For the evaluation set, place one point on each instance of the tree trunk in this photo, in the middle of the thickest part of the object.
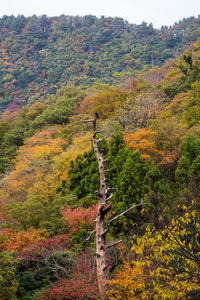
(100, 223)
(102, 210)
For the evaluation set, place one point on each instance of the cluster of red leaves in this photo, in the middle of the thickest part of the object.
(74, 288)
(44, 248)
(83, 283)
(75, 217)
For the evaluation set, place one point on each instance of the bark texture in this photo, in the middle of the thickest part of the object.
(100, 221)
(103, 208)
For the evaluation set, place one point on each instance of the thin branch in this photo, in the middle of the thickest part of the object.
(188, 254)
(108, 198)
(105, 160)
(98, 131)
(124, 212)
(113, 188)
(114, 244)
(91, 120)
(91, 197)
(99, 140)
(108, 170)
(91, 233)
(105, 231)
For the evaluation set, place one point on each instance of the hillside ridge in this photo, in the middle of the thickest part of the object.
(40, 54)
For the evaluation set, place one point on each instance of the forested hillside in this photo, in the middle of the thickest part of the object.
(149, 138)
(39, 54)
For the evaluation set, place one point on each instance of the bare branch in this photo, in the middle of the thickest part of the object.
(99, 140)
(91, 197)
(110, 169)
(86, 121)
(98, 131)
(114, 244)
(111, 195)
(89, 237)
(105, 231)
(105, 160)
(124, 212)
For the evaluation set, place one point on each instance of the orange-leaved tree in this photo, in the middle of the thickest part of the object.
(18, 241)
(143, 140)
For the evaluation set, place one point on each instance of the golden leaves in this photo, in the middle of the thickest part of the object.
(143, 140)
(164, 263)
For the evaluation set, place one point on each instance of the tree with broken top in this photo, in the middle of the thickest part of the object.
(104, 194)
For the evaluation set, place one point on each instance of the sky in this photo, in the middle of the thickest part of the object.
(158, 12)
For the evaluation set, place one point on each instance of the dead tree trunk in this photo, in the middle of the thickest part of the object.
(100, 221)
(102, 210)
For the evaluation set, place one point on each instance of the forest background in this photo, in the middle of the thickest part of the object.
(145, 85)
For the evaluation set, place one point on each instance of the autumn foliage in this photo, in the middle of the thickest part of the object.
(164, 264)
(143, 140)
(82, 284)
(74, 218)
(18, 241)
(49, 180)
(105, 102)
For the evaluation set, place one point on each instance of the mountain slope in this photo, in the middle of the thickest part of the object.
(39, 54)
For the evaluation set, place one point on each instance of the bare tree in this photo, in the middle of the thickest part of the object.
(104, 195)
(140, 109)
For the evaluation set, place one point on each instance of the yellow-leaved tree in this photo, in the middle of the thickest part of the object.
(165, 264)
(105, 102)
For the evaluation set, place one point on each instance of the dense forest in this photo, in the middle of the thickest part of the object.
(144, 85)
(40, 54)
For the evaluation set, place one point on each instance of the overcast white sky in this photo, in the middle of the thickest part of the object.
(159, 12)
